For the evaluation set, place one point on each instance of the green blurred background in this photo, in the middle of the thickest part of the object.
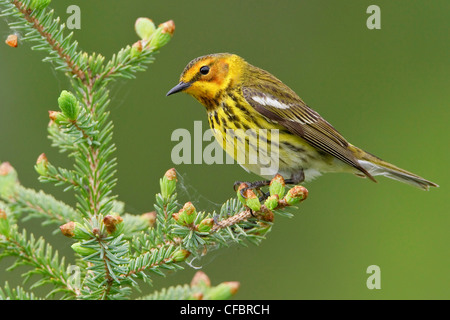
(386, 91)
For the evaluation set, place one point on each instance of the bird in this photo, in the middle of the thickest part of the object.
(242, 100)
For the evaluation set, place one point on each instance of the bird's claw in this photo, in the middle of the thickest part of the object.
(256, 185)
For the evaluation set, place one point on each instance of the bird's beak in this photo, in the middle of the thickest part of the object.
(179, 87)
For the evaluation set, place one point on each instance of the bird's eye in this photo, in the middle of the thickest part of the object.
(204, 70)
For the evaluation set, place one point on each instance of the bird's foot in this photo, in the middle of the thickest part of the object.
(295, 179)
(256, 185)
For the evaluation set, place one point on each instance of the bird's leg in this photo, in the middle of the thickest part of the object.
(251, 185)
(255, 185)
(295, 179)
(264, 196)
(237, 184)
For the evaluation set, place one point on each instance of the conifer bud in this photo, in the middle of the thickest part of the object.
(200, 279)
(252, 201)
(163, 34)
(168, 27)
(111, 223)
(4, 223)
(180, 255)
(41, 166)
(205, 225)
(68, 229)
(84, 251)
(144, 28)
(224, 291)
(150, 218)
(96, 232)
(272, 202)
(11, 40)
(168, 183)
(136, 49)
(57, 117)
(295, 195)
(267, 215)
(69, 105)
(277, 186)
(196, 296)
(187, 214)
(8, 180)
(238, 193)
(6, 168)
(75, 230)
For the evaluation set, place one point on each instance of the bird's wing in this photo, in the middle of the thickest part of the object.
(292, 113)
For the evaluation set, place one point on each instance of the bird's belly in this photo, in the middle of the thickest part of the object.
(271, 151)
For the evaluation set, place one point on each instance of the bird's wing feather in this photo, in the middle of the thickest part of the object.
(291, 112)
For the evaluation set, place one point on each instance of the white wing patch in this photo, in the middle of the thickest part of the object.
(305, 118)
(268, 101)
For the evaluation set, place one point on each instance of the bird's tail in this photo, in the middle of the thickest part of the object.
(376, 167)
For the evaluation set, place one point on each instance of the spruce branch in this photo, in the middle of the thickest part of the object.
(18, 293)
(132, 59)
(28, 203)
(59, 176)
(199, 289)
(114, 250)
(34, 253)
(264, 213)
(41, 27)
(60, 139)
(236, 222)
(41, 205)
(155, 260)
(106, 258)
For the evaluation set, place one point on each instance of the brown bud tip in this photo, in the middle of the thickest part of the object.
(111, 222)
(268, 215)
(205, 225)
(67, 229)
(138, 45)
(234, 286)
(3, 214)
(299, 191)
(197, 296)
(180, 255)
(188, 208)
(279, 179)
(171, 174)
(168, 27)
(5, 168)
(249, 194)
(176, 216)
(243, 185)
(42, 159)
(150, 217)
(52, 115)
(56, 117)
(11, 40)
(200, 279)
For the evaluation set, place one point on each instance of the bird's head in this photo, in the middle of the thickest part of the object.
(208, 76)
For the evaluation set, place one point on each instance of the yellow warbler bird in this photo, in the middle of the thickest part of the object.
(244, 102)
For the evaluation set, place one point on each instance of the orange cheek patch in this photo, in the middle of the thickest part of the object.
(219, 73)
